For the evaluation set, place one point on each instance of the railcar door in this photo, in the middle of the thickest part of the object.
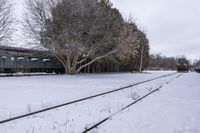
(19, 64)
(2, 63)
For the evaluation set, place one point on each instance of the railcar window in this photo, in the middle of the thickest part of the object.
(34, 59)
(3, 57)
(20, 58)
(46, 60)
(12, 58)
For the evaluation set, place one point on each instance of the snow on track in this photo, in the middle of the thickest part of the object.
(30, 113)
(76, 118)
(20, 94)
(176, 109)
(135, 101)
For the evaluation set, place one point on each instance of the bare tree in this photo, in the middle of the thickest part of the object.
(38, 11)
(134, 42)
(143, 42)
(158, 61)
(129, 40)
(77, 32)
(6, 20)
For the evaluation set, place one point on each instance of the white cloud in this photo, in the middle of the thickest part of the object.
(172, 25)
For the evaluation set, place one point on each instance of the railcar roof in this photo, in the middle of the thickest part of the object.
(18, 49)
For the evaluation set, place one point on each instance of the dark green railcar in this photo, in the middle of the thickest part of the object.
(183, 65)
(197, 67)
(13, 60)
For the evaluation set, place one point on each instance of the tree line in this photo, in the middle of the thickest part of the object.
(84, 35)
(160, 62)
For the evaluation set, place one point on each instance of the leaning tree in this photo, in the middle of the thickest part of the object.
(6, 20)
(76, 32)
(81, 32)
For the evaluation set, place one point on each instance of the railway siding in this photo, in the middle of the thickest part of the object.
(98, 96)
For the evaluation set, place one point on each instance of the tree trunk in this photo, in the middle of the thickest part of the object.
(141, 59)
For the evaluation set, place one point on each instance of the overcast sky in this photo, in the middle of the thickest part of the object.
(172, 26)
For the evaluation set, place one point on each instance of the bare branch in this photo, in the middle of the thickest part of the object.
(95, 59)
(6, 20)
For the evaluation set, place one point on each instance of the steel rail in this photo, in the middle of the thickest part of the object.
(129, 105)
(82, 99)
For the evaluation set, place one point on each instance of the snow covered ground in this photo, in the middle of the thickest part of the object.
(19, 93)
(175, 109)
(165, 111)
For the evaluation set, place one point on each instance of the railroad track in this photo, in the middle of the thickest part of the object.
(82, 99)
(127, 106)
